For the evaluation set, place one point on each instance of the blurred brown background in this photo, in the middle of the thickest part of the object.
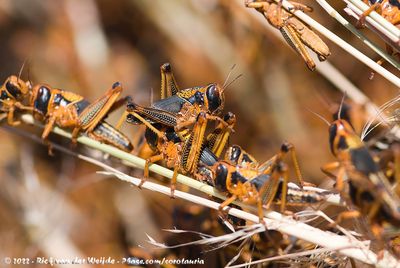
(57, 206)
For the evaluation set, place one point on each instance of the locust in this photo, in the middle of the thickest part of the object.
(296, 33)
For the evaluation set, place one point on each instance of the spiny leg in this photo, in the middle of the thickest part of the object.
(194, 144)
(260, 210)
(90, 117)
(147, 124)
(340, 179)
(121, 120)
(283, 172)
(48, 127)
(289, 147)
(271, 186)
(152, 115)
(226, 203)
(218, 139)
(147, 164)
(10, 118)
(329, 167)
(74, 136)
(115, 106)
(183, 124)
(169, 86)
(270, 165)
(289, 32)
(269, 189)
(174, 181)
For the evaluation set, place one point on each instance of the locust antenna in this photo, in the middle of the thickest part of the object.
(230, 83)
(319, 116)
(21, 69)
(229, 74)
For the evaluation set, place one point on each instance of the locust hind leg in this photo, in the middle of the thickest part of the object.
(121, 120)
(260, 211)
(277, 182)
(90, 117)
(193, 145)
(286, 148)
(219, 138)
(132, 115)
(118, 104)
(169, 87)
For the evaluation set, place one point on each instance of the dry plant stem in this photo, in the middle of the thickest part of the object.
(332, 74)
(281, 257)
(274, 220)
(393, 41)
(375, 17)
(138, 162)
(332, 12)
(342, 244)
(340, 42)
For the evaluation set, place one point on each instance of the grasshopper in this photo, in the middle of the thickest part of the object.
(368, 188)
(296, 33)
(181, 148)
(388, 9)
(180, 108)
(69, 110)
(181, 152)
(13, 95)
(64, 109)
(241, 177)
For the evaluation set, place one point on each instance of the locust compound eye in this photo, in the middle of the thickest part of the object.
(42, 100)
(13, 89)
(213, 97)
(235, 154)
(221, 175)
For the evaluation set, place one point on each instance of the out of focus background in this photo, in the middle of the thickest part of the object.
(57, 206)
